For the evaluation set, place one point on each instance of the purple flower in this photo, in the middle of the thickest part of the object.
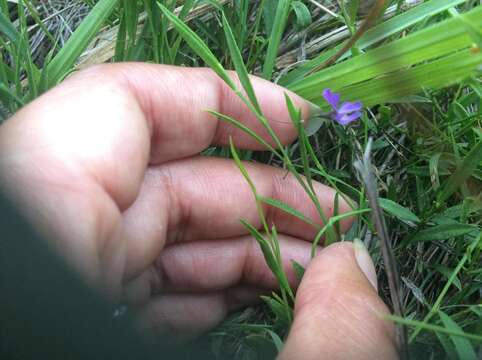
(344, 114)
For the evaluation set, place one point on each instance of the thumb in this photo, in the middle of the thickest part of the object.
(338, 314)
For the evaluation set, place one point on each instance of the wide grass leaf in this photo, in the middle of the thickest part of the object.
(435, 57)
(376, 34)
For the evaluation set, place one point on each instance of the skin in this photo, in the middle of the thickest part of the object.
(107, 166)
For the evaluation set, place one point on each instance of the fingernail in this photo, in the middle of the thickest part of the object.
(314, 122)
(365, 262)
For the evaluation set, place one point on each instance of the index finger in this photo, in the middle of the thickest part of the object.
(175, 102)
(105, 125)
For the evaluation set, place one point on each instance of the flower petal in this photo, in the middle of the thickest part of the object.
(345, 119)
(331, 98)
(349, 107)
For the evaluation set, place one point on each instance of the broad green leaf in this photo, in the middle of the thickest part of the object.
(383, 31)
(443, 232)
(360, 78)
(398, 211)
(433, 75)
(462, 345)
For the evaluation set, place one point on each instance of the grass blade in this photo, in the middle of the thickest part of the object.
(463, 172)
(289, 210)
(63, 62)
(462, 345)
(443, 232)
(398, 211)
(198, 45)
(239, 64)
(7, 29)
(282, 12)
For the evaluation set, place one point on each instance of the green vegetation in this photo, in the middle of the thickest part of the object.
(418, 73)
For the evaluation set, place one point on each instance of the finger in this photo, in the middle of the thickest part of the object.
(204, 198)
(83, 147)
(219, 264)
(191, 315)
(179, 122)
(206, 266)
(338, 314)
(105, 121)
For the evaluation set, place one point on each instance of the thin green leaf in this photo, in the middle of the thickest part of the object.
(443, 232)
(445, 271)
(398, 211)
(436, 306)
(245, 129)
(281, 16)
(239, 64)
(289, 210)
(276, 340)
(303, 15)
(7, 94)
(463, 172)
(440, 329)
(462, 345)
(7, 29)
(198, 45)
(298, 269)
(63, 62)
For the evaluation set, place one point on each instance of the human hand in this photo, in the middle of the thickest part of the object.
(107, 166)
